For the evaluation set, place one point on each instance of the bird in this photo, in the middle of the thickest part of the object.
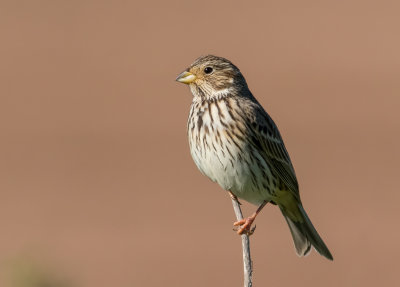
(234, 142)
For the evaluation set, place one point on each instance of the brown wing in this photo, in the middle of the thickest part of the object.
(267, 138)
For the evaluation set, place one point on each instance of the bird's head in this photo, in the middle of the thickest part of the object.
(212, 77)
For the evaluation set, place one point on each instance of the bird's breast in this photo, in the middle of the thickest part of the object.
(218, 142)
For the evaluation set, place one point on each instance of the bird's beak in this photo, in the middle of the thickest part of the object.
(186, 77)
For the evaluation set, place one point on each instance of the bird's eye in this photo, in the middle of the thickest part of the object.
(208, 70)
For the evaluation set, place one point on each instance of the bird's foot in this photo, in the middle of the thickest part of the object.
(245, 226)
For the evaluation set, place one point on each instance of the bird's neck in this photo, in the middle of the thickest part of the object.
(208, 94)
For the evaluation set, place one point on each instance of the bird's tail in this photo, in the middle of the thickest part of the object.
(304, 233)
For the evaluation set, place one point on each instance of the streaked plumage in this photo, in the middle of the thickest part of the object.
(235, 143)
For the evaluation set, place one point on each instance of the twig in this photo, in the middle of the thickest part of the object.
(247, 264)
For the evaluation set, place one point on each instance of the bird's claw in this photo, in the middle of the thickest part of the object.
(245, 226)
(246, 231)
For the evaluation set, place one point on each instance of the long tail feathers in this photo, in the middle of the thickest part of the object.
(305, 235)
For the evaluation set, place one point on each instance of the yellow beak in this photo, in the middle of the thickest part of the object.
(186, 78)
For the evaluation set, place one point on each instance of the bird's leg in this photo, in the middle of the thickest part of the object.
(234, 197)
(245, 223)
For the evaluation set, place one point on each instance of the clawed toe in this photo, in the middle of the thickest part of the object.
(241, 222)
(245, 226)
(246, 231)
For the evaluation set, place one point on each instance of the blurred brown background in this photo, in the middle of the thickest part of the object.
(97, 186)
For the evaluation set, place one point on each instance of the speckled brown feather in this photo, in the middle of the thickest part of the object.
(235, 143)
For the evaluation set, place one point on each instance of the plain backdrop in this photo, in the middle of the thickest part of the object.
(97, 186)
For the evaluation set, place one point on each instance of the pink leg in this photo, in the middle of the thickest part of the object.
(245, 224)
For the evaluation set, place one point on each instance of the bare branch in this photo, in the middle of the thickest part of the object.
(247, 263)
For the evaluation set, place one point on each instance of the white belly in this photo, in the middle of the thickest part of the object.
(241, 170)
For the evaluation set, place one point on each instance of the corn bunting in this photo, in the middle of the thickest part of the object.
(235, 143)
